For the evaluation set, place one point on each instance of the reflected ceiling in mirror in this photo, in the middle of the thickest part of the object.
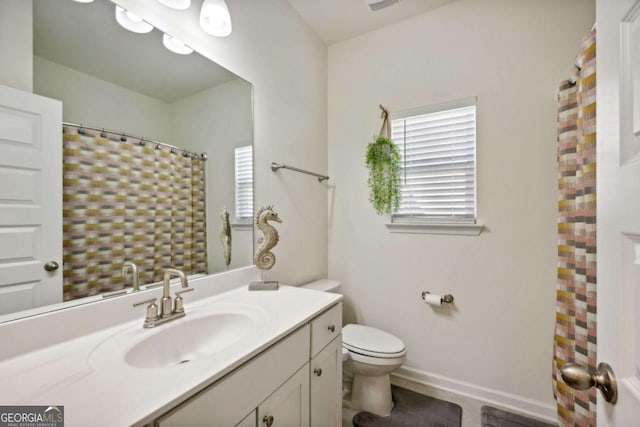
(87, 38)
(130, 84)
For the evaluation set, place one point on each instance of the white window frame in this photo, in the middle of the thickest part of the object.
(425, 224)
(242, 220)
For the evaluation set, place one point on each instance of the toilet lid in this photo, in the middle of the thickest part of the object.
(371, 341)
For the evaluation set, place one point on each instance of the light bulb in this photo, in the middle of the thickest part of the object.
(131, 21)
(175, 45)
(176, 4)
(215, 18)
(133, 17)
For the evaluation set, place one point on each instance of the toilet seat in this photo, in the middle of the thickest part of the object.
(377, 361)
(372, 343)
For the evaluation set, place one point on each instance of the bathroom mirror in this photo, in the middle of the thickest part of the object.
(133, 87)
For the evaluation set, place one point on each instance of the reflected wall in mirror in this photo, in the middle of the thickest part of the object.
(121, 201)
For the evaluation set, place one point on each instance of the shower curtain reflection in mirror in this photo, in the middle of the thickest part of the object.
(128, 201)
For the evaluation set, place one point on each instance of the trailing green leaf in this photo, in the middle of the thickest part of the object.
(383, 162)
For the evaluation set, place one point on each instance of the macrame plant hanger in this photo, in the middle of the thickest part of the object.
(385, 129)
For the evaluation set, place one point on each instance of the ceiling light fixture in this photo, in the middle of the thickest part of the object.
(215, 18)
(176, 4)
(175, 45)
(131, 21)
(380, 4)
(83, 1)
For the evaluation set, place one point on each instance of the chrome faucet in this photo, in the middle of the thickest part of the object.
(166, 312)
(165, 307)
(134, 273)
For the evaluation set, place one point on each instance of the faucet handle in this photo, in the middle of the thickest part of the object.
(178, 302)
(152, 312)
(150, 301)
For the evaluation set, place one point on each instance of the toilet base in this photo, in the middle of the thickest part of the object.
(372, 394)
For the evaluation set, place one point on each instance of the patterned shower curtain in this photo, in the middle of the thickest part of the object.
(575, 332)
(128, 201)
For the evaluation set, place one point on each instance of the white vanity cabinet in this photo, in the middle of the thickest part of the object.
(295, 382)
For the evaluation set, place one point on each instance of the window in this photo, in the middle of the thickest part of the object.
(244, 183)
(438, 164)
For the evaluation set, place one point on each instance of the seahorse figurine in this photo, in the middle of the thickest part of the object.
(264, 259)
(225, 236)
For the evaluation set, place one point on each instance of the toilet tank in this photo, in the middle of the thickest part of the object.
(324, 285)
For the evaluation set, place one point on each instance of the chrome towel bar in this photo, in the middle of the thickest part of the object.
(275, 166)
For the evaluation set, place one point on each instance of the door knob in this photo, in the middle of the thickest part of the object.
(51, 266)
(581, 378)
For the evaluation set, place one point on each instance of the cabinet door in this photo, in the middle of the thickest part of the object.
(326, 386)
(288, 406)
(248, 421)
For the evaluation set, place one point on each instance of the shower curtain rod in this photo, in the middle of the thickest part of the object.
(142, 140)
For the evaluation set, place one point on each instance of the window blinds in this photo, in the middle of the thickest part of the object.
(244, 182)
(438, 173)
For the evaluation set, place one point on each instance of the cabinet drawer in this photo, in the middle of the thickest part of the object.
(325, 328)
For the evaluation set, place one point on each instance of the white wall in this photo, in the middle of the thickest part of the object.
(16, 44)
(216, 121)
(272, 48)
(91, 101)
(511, 55)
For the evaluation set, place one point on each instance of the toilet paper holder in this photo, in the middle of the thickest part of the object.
(447, 298)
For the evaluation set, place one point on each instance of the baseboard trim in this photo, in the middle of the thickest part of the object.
(508, 401)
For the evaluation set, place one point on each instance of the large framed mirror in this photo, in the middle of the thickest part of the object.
(157, 155)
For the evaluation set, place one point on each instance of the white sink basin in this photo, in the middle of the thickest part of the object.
(189, 340)
(199, 334)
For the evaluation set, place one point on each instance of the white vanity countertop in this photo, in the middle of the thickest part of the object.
(102, 391)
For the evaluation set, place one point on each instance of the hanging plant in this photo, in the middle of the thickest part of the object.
(383, 162)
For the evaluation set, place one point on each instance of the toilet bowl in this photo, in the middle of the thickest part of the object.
(371, 355)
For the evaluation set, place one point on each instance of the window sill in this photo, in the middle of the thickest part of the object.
(452, 229)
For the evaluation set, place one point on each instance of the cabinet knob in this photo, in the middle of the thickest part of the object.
(268, 420)
(331, 328)
(317, 371)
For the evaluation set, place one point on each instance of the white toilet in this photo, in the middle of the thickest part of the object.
(371, 355)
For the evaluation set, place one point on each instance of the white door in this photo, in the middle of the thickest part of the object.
(618, 204)
(30, 200)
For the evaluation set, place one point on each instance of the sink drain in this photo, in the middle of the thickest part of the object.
(182, 362)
